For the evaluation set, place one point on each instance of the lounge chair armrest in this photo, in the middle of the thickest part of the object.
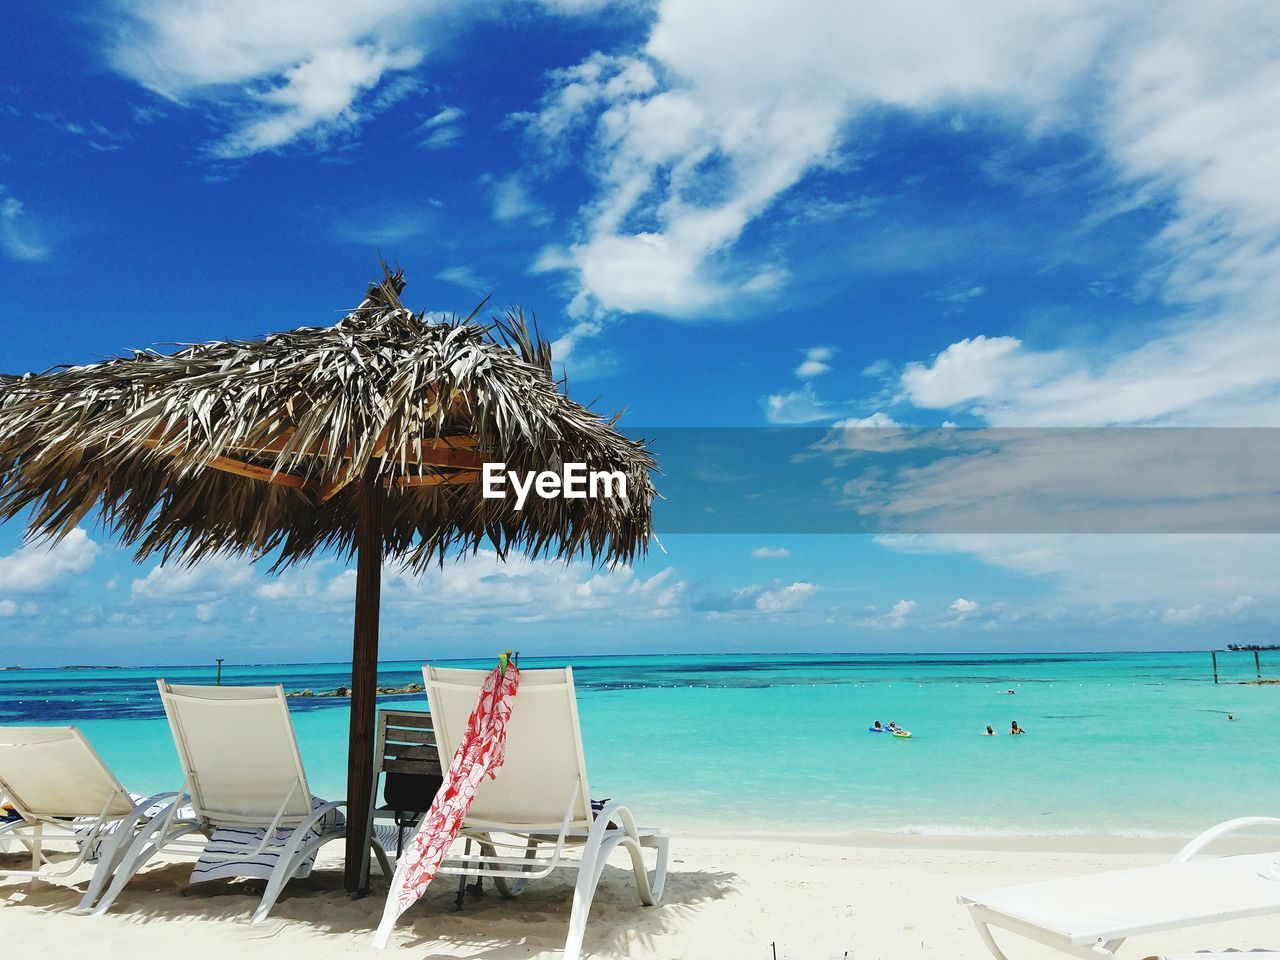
(319, 812)
(1221, 830)
(153, 799)
(615, 813)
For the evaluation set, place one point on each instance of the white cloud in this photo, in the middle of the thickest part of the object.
(1241, 603)
(876, 421)
(767, 553)
(8, 608)
(36, 567)
(512, 202)
(205, 612)
(578, 90)
(770, 599)
(1183, 615)
(566, 345)
(20, 238)
(280, 71)
(801, 405)
(207, 582)
(817, 361)
(895, 619)
(973, 369)
(963, 607)
(295, 69)
(785, 599)
(315, 98)
(1222, 371)
(446, 117)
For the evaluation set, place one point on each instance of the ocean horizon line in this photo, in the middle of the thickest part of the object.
(229, 663)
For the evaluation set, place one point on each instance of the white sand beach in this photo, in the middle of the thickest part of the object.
(866, 897)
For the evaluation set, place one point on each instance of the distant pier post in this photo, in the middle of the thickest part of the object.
(1214, 654)
(220, 671)
(1257, 664)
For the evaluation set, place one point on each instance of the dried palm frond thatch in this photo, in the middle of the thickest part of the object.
(253, 446)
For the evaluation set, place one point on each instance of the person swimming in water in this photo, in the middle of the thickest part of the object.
(876, 728)
(892, 726)
(1015, 729)
(990, 731)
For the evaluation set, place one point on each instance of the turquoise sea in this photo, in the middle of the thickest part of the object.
(1121, 744)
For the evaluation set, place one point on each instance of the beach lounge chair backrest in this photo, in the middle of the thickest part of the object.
(544, 760)
(238, 751)
(53, 772)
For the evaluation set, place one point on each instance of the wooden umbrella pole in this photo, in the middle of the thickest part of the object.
(364, 673)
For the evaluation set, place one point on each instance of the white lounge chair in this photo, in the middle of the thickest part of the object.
(539, 805)
(253, 813)
(1091, 916)
(62, 790)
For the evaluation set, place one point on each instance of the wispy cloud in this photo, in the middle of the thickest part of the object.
(383, 226)
(958, 295)
(20, 238)
(442, 129)
(279, 73)
(466, 278)
(512, 201)
(315, 99)
(95, 135)
(802, 405)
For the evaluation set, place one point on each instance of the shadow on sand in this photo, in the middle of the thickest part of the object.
(488, 927)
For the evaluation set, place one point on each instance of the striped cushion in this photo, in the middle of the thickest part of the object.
(84, 825)
(215, 863)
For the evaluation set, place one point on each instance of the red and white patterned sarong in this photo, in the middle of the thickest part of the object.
(480, 752)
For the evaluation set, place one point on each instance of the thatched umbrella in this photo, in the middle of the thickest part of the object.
(365, 438)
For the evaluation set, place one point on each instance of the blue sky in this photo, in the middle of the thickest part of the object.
(724, 214)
